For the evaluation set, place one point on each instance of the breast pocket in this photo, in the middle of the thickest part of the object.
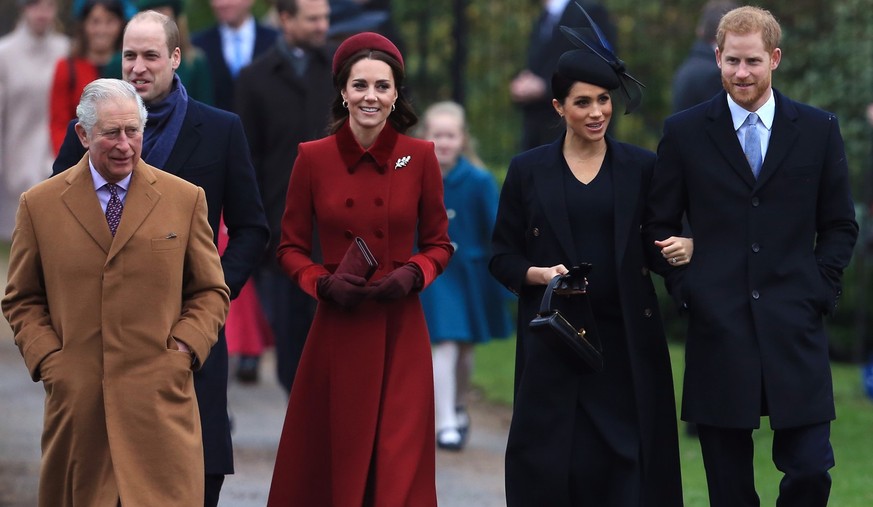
(169, 242)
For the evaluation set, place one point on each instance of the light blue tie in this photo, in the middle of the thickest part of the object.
(752, 145)
(237, 63)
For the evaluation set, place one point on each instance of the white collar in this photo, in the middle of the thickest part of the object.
(99, 180)
(246, 30)
(766, 113)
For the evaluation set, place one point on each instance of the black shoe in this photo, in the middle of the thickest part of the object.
(247, 369)
(463, 422)
(450, 439)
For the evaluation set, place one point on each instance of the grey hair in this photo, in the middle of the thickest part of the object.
(101, 90)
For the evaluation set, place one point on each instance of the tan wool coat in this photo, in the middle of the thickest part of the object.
(97, 318)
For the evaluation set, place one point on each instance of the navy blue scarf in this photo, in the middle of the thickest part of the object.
(163, 125)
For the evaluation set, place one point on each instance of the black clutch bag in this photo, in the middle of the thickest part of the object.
(580, 345)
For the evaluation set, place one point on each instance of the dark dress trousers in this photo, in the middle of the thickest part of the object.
(565, 428)
(209, 40)
(768, 258)
(266, 91)
(211, 152)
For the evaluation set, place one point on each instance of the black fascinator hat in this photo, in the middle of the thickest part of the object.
(595, 63)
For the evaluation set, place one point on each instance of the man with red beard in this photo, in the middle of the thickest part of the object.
(765, 185)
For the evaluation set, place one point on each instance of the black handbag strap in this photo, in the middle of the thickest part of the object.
(546, 304)
(587, 313)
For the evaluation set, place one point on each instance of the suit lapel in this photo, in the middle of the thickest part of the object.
(721, 130)
(626, 184)
(549, 181)
(81, 199)
(141, 199)
(782, 137)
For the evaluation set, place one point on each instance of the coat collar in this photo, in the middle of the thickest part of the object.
(81, 199)
(353, 154)
(626, 183)
(458, 173)
(783, 135)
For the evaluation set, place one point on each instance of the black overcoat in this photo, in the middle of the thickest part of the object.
(280, 110)
(533, 229)
(768, 258)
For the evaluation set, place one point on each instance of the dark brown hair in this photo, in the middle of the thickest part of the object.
(401, 118)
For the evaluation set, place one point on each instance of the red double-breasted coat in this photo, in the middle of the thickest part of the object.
(360, 423)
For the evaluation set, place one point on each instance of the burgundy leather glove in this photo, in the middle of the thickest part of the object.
(344, 289)
(398, 283)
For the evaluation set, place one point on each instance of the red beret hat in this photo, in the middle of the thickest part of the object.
(361, 41)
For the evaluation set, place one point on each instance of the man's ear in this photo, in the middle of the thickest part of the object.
(177, 58)
(83, 136)
(775, 58)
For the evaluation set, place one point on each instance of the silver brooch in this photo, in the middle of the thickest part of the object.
(402, 161)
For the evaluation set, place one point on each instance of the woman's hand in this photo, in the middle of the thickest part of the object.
(676, 250)
(542, 276)
(344, 289)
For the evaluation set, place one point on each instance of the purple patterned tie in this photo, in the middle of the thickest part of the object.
(113, 208)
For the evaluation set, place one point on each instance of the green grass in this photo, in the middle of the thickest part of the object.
(851, 433)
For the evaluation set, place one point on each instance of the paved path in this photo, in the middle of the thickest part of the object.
(473, 477)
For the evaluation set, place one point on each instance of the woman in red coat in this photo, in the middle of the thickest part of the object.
(359, 430)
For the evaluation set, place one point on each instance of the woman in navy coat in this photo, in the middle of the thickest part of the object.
(360, 422)
(603, 439)
(465, 306)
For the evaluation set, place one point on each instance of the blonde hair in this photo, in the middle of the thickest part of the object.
(746, 20)
(451, 108)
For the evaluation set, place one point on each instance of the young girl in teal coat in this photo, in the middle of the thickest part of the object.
(465, 305)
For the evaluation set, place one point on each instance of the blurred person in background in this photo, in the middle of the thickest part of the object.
(293, 75)
(96, 39)
(232, 43)
(465, 306)
(530, 88)
(698, 78)
(25, 148)
(193, 69)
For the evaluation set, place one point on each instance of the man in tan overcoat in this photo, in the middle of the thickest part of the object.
(114, 324)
